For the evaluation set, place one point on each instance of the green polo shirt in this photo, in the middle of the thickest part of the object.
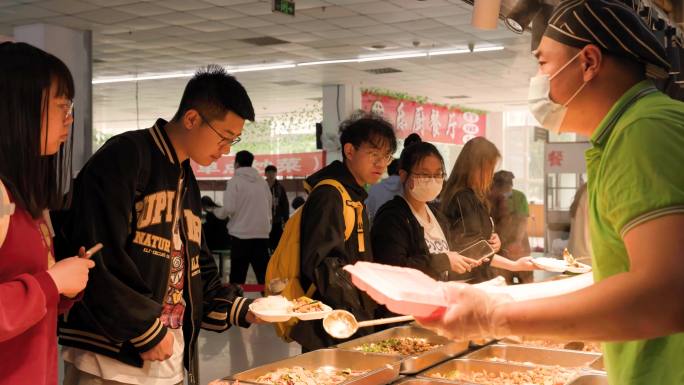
(636, 174)
(518, 205)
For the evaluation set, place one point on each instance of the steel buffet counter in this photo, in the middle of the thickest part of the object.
(385, 358)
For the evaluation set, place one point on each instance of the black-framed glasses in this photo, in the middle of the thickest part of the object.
(430, 176)
(225, 141)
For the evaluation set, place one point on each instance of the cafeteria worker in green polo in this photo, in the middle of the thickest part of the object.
(593, 61)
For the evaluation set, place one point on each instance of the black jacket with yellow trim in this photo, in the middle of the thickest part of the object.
(126, 198)
(325, 251)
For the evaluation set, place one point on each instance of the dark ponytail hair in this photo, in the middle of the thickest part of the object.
(36, 182)
(412, 155)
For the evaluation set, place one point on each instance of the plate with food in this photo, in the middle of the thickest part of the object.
(279, 309)
(568, 263)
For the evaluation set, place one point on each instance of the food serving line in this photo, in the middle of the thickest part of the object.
(447, 362)
(411, 355)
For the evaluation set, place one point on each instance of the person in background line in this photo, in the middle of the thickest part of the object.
(247, 201)
(593, 61)
(280, 206)
(412, 139)
(579, 242)
(384, 191)
(298, 202)
(464, 202)
(368, 143)
(36, 93)
(215, 230)
(510, 212)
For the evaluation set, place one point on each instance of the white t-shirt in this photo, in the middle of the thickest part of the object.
(434, 236)
(169, 372)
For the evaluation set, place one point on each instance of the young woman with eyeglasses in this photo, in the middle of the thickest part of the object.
(36, 90)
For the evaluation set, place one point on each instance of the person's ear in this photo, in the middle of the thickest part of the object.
(349, 150)
(191, 119)
(591, 59)
(403, 176)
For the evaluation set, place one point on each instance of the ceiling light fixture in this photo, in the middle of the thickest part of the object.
(522, 15)
(407, 55)
(320, 62)
(255, 68)
(122, 79)
(449, 52)
(489, 49)
(260, 68)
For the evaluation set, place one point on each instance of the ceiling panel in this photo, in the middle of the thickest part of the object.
(135, 36)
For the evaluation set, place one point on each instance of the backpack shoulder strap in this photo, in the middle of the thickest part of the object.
(350, 206)
(6, 211)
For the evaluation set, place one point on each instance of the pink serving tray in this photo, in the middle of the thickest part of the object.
(403, 290)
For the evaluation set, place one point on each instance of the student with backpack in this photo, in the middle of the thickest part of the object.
(334, 228)
(36, 93)
(156, 283)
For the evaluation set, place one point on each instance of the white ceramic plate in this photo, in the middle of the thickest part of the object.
(279, 315)
(559, 265)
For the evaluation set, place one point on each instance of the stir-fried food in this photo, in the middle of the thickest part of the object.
(542, 375)
(591, 347)
(299, 376)
(306, 305)
(406, 346)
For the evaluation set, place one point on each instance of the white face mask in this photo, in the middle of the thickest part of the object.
(547, 112)
(426, 189)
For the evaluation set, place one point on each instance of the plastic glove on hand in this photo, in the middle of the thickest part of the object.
(471, 313)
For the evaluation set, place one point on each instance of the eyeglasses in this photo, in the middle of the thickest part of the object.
(378, 157)
(67, 108)
(225, 141)
(429, 176)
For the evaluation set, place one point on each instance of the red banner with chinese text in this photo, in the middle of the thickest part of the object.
(437, 124)
(293, 165)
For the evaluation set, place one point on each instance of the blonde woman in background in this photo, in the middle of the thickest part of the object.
(464, 202)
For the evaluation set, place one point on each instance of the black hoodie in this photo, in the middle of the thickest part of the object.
(324, 252)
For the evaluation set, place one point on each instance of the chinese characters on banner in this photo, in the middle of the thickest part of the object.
(437, 124)
(295, 165)
(565, 157)
(555, 158)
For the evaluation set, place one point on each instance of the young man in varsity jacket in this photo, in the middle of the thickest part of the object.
(156, 284)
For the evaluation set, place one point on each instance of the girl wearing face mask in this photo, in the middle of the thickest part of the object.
(464, 203)
(406, 231)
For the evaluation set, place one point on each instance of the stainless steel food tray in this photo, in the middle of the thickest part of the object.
(469, 365)
(591, 379)
(383, 369)
(598, 364)
(568, 345)
(535, 356)
(422, 381)
(414, 363)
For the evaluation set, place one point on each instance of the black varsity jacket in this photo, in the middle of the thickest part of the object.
(126, 197)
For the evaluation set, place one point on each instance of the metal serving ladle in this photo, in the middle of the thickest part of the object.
(342, 324)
